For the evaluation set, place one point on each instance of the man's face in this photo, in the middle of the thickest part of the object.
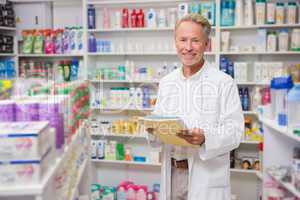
(190, 43)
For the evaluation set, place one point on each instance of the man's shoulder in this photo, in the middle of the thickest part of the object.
(217, 76)
(172, 76)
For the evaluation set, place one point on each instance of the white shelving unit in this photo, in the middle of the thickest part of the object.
(260, 26)
(49, 55)
(44, 190)
(123, 162)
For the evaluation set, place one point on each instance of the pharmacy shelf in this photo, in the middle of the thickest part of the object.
(252, 83)
(286, 185)
(163, 53)
(249, 142)
(7, 54)
(38, 189)
(79, 178)
(5, 28)
(123, 162)
(124, 81)
(130, 30)
(49, 55)
(244, 171)
(279, 129)
(262, 53)
(259, 175)
(122, 2)
(121, 135)
(259, 26)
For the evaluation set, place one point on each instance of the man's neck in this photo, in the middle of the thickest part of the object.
(191, 70)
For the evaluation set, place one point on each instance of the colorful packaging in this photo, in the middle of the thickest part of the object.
(49, 44)
(7, 110)
(27, 42)
(38, 47)
(58, 46)
(72, 38)
(66, 41)
(27, 111)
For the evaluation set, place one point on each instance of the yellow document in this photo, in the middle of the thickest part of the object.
(165, 128)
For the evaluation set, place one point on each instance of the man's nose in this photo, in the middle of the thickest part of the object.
(188, 45)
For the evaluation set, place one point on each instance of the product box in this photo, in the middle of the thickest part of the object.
(16, 173)
(25, 140)
(261, 40)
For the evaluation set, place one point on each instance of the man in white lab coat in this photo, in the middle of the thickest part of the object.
(208, 102)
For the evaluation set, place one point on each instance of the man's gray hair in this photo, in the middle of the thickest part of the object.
(198, 19)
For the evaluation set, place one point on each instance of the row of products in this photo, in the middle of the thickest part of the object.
(7, 69)
(246, 163)
(126, 190)
(7, 14)
(48, 41)
(125, 98)
(266, 41)
(151, 18)
(6, 44)
(259, 12)
(60, 71)
(117, 127)
(112, 150)
(129, 71)
(136, 46)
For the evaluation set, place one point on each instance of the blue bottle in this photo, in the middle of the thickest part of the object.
(92, 43)
(91, 17)
(230, 69)
(241, 95)
(224, 64)
(227, 12)
(245, 100)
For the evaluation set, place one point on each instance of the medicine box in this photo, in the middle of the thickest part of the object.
(20, 173)
(25, 140)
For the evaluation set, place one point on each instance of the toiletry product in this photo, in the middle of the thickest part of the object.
(295, 40)
(133, 18)
(239, 13)
(272, 41)
(291, 13)
(91, 17)
(151, 18)
(162, 21)
(283, 40)
(271, 6)
(183, 9)
(260, 11)
(280, 13)
(248, 17)
(125, 18)
(141, 19)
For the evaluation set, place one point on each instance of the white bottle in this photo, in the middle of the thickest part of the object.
(162, 21)
(283, 40)
(131, 97)
(248, 13)
(183, 10)
(172, 17)
(94, 149)
(151, 18)
(238, 13)
(256, 100)
(117, 20)
(138, 97)
(260, 9)
(271, 41)
(271, 12)
(295, 41)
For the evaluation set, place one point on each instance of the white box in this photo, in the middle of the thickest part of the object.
(25, 140)
(24, 172)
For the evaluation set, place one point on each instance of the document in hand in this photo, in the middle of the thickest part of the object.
(165, 128)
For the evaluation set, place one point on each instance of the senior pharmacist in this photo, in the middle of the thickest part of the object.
(208, 102)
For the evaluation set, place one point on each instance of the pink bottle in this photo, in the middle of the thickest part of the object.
(131, 192)
(49, 43)
(133, 19)
(125, 16)
(141, 193)
(106, 18)
(266, 99)
(141, 19)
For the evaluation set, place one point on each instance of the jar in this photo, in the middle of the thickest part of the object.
(271, 12)
(279, 13)
(283, 40)
(291, 13)
(271, 41)
(295, 40)
(260, 9)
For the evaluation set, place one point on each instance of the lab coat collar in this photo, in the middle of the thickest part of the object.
(195, 76)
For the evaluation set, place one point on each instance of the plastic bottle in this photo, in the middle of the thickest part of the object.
(295, 40)
(293, 103)
(91, 17)
(227, 13)
(283, 40)
(125, 16)
(271, 12)
(246, 102)
(141, 19)
(238, 13)
(162, 18)
(271, 41)
(260, 8)
(241, 94)
(291, 13)
(230, 69)
(279, 13)
(151, 18)
(256, 99)
(49, 43)
(183, 9)
(139, 97)
(141, 193)
(106, 18)
(117, 21)
(172, 17)
(266, 99)
(133, 19)
(131, 192)
(248, 13)
(121, 192)
(92, 43)
(58, 44)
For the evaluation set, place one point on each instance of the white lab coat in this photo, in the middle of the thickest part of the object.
(209, 100)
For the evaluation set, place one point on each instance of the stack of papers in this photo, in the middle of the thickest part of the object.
(165, 129)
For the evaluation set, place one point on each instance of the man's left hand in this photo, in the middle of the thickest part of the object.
(194, 136)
